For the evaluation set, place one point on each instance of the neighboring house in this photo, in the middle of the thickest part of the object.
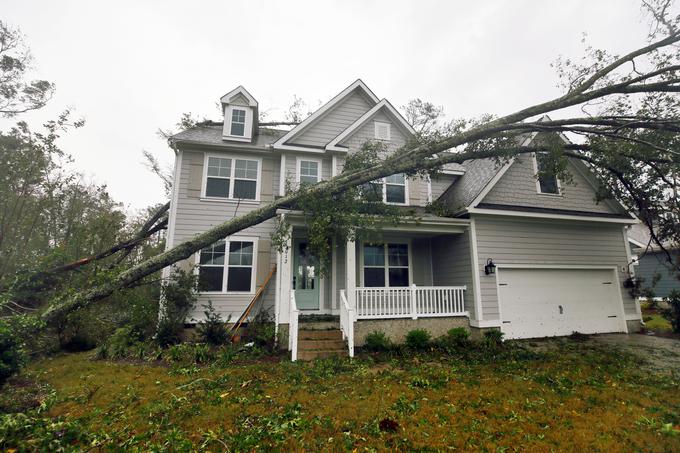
(560, 256)
(650, 263)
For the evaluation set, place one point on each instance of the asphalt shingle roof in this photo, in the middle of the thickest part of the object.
(212, 135)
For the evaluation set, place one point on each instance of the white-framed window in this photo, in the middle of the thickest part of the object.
(308, 170)
(228, 266)
(231, 177)
(546, 184)
(382, 130)
(238, 121)
(386, 265)
(392, 189)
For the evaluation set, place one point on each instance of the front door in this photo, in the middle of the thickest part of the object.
(305, 276)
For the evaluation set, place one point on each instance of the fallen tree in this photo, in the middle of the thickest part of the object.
(640, 118)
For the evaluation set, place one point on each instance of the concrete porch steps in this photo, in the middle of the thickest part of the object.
(316, 344)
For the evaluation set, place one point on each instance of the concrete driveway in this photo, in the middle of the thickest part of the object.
(661, 353)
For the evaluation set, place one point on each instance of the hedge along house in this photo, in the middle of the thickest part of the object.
(531, 257)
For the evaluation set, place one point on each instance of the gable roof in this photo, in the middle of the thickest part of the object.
(482, 175)
(386, 107)
(243, 92)
(282, 143)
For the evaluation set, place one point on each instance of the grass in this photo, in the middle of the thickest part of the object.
(657, 322)
(575, 396)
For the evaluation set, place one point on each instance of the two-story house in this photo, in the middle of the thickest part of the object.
(530, 256)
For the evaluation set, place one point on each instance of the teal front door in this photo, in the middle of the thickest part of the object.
(305, 276)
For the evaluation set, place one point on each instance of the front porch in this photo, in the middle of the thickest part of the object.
(415, 276)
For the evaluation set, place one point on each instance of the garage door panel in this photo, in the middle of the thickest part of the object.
(553, 302)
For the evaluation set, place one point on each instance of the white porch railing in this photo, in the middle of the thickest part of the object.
(293, 327)
(347, 316)
(410, 302)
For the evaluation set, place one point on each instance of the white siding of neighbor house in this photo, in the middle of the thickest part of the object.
(518, 187)
(453, 263)
(333, 122)
(195, 216)
(537, 241)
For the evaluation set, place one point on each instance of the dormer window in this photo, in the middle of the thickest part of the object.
(240, 115)
(382, 131)
(238, 122)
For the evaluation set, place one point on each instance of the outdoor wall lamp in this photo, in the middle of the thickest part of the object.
(490, 267)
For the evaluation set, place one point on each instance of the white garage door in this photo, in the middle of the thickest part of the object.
(550, 302)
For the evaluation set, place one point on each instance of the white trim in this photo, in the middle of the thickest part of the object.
(282, 176)
(253, 272)
(172, 216)
(635, 317)
(558, 183)
(334, 274)
(429, 189)
(491, 183)
(298, 162)
(239, 89)
(485, 324)
(631, 268)
(614, 269)
(247, 125)
(406, 191)
(388, 135)
(537, 215)
(280, 143)
(476, 283)
(333, 144)
(233, 158)
(636, 243)
(334, 166)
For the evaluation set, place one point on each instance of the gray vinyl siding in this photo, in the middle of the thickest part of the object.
(194, 216)
(518, 187)
(536, 241)
(654, 264)
(417, 187)
(422, 262)
(452, 259)
(333, 122)
(439, 185)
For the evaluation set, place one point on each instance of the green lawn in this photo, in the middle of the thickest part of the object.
(657, 322)
(575, 396)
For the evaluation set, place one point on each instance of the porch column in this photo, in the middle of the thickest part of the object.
(286, 260)
(350, 273)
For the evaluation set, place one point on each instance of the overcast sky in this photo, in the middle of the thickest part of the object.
(129, 68)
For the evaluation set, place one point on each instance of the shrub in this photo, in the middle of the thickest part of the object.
(672, 314)
(11, 353)
(377, 342)
(118, 345)
(493, 338)
(261, 330)
(458, 337)
(212, 329)
(418, 339)
(179, 298)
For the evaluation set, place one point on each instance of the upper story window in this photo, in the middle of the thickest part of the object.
(235, 274)
(238, 122)
(231, 178)
(546, 183)
(392, 190)
(382, 131)
(386, 265)
(309, 171)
